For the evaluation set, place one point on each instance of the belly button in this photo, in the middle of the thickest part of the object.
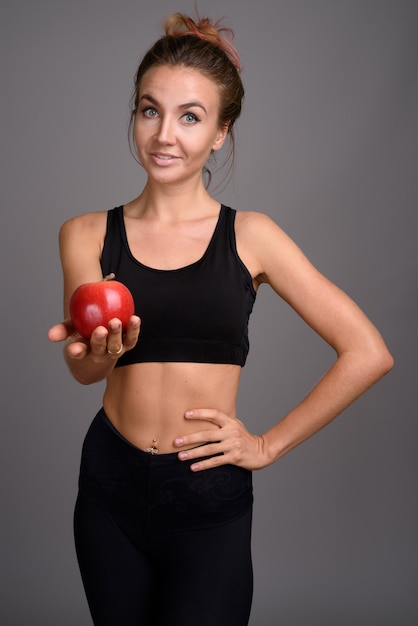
(152, 449)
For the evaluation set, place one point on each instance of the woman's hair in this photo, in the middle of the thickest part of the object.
(207, 47)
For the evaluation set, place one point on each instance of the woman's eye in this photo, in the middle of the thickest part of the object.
(149, 112)
(190, 118)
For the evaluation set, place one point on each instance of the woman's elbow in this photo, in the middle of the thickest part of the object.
(381, 361)
(388, 362)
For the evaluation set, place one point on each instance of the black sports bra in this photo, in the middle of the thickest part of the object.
(198, 313)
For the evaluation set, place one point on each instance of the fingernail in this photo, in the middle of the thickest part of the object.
(183, 455)
(179, 441)
(194, 467)
(189, 413)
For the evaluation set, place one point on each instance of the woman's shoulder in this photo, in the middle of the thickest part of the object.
(257, 226)
(85, 226)
(83, 234)
(91, 220)
(261, 243)
(253, 218)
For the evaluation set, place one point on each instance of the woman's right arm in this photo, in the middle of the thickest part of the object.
(81, 242)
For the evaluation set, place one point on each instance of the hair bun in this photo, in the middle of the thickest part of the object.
(178, 25)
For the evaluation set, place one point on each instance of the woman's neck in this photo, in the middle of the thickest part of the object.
(172, 202)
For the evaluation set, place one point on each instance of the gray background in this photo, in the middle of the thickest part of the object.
(327, 145)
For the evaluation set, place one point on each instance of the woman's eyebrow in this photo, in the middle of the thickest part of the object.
(186, 105)
(146, 96)
(189, 105)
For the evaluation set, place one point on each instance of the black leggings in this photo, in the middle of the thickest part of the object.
(157, 544)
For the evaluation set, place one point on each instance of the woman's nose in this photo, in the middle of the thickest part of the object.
(166, 132)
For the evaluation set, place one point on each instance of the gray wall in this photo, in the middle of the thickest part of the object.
(327, 145)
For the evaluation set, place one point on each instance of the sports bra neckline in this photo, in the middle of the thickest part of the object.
(121, 217)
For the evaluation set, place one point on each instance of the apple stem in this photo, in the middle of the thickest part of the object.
(109, 276)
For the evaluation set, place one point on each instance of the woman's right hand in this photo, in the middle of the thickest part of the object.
(103, 341)
(105, 346)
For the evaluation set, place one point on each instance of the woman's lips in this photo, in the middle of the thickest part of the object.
(163, 159)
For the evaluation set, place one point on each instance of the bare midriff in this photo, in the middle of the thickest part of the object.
(146, 402)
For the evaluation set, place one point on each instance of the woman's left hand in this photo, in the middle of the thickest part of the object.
(228, 439)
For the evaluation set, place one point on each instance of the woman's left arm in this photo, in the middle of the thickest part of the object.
(362, 356)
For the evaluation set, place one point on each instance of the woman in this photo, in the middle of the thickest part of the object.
(163, 515)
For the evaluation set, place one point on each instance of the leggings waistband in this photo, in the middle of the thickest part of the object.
(167, 456)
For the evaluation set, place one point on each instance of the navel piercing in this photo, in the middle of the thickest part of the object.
(153, 449)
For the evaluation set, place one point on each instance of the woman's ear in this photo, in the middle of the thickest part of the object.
(220, 137)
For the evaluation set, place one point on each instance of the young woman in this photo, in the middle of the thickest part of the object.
(163, 516)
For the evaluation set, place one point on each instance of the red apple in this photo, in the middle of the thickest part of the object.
(95, 304)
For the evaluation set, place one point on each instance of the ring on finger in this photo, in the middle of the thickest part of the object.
(117, 352)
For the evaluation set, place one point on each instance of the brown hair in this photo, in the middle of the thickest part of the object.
(207, 47)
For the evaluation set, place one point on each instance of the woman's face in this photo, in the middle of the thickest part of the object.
(176, 124)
